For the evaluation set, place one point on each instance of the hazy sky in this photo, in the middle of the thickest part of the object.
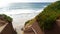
(6, 2)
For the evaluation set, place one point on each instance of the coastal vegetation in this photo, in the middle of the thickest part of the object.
(7, 18)
(30, 22)
(46, 19)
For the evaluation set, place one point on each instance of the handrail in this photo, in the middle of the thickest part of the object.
(34, 30)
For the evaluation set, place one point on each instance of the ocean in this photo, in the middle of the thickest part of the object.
(21, 12)
(33, 6)
(25, 10)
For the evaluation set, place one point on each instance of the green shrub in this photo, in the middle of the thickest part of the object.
(27, 22)
(7, 18)
(47, 17)
(30, 22)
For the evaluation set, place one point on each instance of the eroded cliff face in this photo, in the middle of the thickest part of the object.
(8, 29)
(6, 25)
(48, 20)
(55, 30)
(33, 29)
(38, 30)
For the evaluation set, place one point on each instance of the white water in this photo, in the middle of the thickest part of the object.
(20, 17)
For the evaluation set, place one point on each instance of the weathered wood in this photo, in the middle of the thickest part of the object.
(34, 29)
(37, 28)
(8, 29)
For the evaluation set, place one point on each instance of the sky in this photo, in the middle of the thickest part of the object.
(6, 2)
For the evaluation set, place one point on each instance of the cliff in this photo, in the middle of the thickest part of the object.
(8, 28)
(48, 19)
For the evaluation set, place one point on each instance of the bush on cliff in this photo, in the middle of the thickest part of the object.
(47, 17)
(5, 17)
